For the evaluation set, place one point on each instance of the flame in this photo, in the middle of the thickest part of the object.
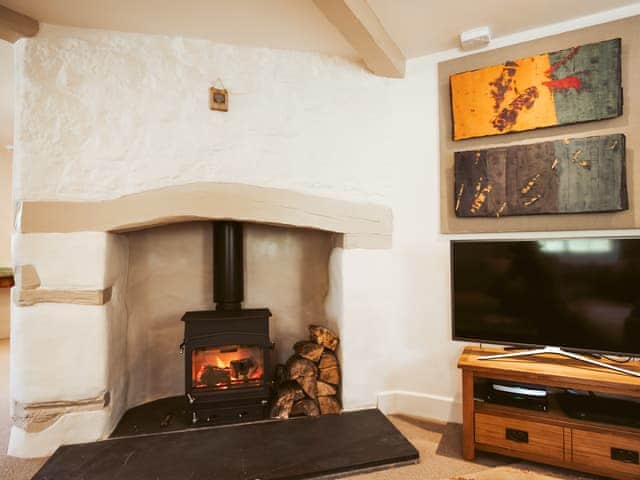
(220, 363)
(215, 365)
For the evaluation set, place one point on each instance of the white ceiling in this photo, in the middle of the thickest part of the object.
(419, 27)
(286, 24)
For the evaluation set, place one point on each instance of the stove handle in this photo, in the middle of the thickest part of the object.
(182, 348)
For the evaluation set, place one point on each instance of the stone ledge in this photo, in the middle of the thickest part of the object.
(368, 223)
(36, 417)
(29, 291)
(27, 298)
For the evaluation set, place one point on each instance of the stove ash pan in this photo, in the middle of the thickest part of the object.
(227, 365)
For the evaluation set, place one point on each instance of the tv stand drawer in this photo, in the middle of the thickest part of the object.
(606, 451)
(520, 436)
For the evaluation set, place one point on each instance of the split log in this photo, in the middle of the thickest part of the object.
(327, 360)
(243, 368)
(305, 372)
(309, 386)
(306, 407)
(325, 389)
(287, 394)
(309, 350)
(323, 336)
(330, 375)
(212, 376)
(301, 367)
(329, 405)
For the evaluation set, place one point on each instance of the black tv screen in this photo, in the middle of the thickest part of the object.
(578, 294)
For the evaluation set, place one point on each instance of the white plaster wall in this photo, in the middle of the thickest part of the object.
(65, 357)
(69, 261)
(127, 112)
(360, 306)
(423, 367)
(116, 259)
(62, 352)
(5, 312)
(287, 270)
(6, 227)
(6, 207)
(62, 345)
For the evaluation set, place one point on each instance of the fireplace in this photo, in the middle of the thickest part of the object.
(124, 291)
(227, 351)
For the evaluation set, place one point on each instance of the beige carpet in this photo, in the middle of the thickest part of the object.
(439, 445)
(523, 471)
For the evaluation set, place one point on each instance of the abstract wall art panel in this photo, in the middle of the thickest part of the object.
(575, 85)
(578, 175)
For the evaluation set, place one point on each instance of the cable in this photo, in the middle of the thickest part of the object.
(611, 359)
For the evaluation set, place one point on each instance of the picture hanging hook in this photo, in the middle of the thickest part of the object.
(217, 83)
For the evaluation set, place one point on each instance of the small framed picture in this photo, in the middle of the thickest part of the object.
(218, 99)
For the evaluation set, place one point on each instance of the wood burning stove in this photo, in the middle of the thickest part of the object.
(227, 350)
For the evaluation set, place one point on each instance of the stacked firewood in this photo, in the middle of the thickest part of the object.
(309, 383)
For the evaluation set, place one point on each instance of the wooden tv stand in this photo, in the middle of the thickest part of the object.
(549, 437)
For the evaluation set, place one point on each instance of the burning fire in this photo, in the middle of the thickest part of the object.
(227, 367)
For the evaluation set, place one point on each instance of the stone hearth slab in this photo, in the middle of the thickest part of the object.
(300, 448)
(160, 416)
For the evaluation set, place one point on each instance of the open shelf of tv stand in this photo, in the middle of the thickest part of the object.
(549, 437)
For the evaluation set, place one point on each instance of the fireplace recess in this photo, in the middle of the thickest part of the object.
(227, 350)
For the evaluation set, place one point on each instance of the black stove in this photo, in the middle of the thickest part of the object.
(227, 351)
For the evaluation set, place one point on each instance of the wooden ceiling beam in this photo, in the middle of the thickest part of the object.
(361, 27)
(14, 25)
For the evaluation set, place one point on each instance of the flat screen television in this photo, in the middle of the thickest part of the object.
(581, 294)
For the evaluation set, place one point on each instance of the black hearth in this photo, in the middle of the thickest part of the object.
(227, 350)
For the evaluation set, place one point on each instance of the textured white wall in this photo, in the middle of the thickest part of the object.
(129, 112)
(5, 312)
(6, 94)
(124, 113)
(69, 352)
(426, 357)
(6, 227)
(6, 207)
(103, 114)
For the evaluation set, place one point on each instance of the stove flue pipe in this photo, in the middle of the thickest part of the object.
(228, 267)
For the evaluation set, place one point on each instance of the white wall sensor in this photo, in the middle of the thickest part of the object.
(475, 38)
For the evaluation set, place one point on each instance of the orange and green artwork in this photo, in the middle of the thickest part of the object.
(575, 85)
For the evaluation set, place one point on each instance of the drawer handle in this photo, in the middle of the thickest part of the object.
(519, 436)
(625, 456)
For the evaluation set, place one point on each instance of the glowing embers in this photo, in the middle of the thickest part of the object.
(227, 367)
